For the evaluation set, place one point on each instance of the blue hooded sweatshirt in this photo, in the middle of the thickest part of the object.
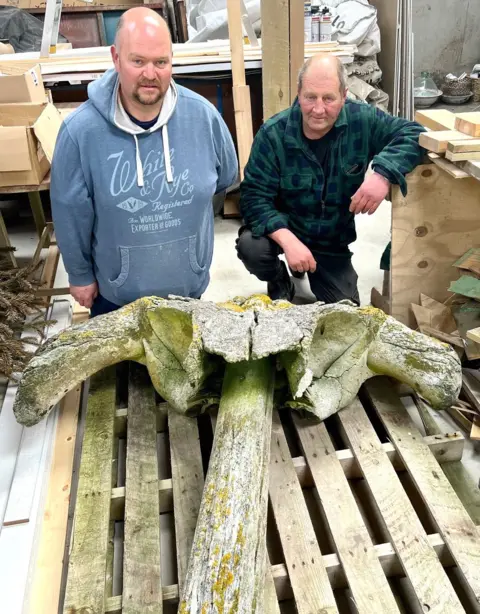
(132, 208)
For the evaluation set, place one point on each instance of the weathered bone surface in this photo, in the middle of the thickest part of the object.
(327, 351)
(226, 571)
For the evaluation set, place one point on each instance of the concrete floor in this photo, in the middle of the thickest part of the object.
(230, 278)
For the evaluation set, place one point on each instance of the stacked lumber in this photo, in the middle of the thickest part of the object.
(453, 141)
(98, 59)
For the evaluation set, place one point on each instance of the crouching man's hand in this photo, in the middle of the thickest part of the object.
(370, 194)
(85, 295)
(299, 257)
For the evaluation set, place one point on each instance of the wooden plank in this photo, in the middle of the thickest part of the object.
(474, 334)
(142, 588)
(370, 590)
(445, 448)
(235, 34)
(455, 525)
(436, 119)
(425, 242)
(466, 144)
(472, 168)
(241, 91)
(303, 558)
(466, 489)
(6, 254)
(187, 483)
(20, 500)
(165, 499)
(468, 123)
(297, 44)
(408, 537)
(438, 141)
(50, 269)
(461, 157)
(271, 600)
(86, 569)
(475, 432)
(453, 170)
(243, 123)
(45, 592)
(275, 56)
(385, 552)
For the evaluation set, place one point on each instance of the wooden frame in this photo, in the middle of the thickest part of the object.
(364, 562)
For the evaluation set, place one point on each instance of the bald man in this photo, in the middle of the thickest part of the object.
(305, 182)
(133, 176)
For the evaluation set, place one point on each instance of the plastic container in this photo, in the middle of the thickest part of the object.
(307, 28)
(315, 25)
(326, 28)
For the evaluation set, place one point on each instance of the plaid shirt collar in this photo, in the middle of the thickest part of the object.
(294, 131)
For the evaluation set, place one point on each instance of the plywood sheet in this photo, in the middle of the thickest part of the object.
(431, 228)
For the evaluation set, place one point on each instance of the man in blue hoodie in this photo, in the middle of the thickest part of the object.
(133, 176)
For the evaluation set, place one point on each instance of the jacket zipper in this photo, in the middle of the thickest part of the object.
(314, 159)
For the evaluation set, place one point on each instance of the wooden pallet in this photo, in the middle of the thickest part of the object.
(364, 512)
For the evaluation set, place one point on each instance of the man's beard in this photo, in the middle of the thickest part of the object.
(147, 100)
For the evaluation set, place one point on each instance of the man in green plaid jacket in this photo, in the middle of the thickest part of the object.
(305, 182)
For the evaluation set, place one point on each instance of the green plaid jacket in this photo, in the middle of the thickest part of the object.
(285, 187)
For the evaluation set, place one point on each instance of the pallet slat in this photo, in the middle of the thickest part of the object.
(187, 483)
(408, 537)
(86, 571)
(364, 573)
(142, 588)
(456, 526)
(303, 558)
(445, 448)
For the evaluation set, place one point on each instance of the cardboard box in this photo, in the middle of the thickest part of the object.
(23, 88)
(28, 133)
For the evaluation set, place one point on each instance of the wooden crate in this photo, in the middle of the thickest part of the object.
(364, 512)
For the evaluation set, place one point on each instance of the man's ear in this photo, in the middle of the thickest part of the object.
(114, 53)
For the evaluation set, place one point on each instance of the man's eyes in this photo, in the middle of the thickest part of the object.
(139, 62)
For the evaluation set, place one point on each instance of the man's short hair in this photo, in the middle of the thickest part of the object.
(341, 73)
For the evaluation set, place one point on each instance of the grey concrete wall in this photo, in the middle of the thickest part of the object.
(447, 35)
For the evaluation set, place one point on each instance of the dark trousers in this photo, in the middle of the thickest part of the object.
(101, 306)
(334, 280)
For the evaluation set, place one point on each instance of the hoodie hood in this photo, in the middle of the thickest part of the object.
(104, 95)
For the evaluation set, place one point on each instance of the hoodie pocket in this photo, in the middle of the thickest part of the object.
(159, 270)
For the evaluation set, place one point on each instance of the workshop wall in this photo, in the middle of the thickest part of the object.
(446, 35)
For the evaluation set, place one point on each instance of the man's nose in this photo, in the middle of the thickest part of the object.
(319, 108)
(149, 71)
